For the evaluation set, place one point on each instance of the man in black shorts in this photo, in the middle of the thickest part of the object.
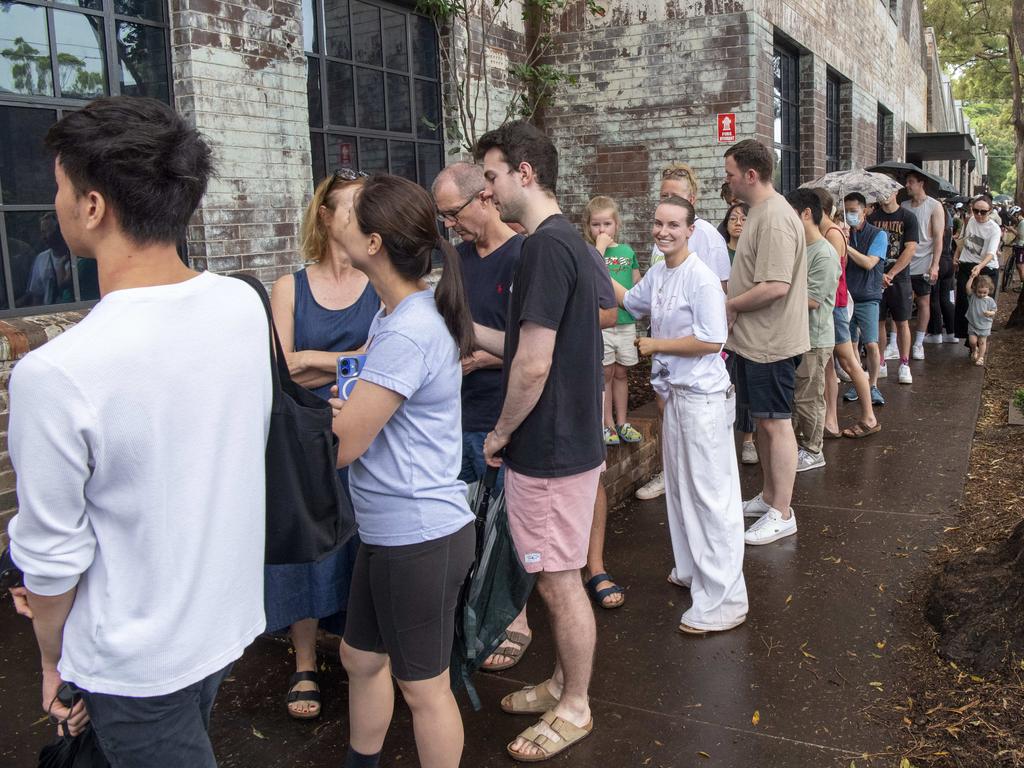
(898, 297)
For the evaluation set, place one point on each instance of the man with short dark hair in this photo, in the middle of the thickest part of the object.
(767, 312)
(549, 433)
(823, 270)
(140, 452)
(924, 266)
(900, 225)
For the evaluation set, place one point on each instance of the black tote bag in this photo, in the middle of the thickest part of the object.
(308, 513)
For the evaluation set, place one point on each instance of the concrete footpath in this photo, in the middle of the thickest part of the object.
(786, 689)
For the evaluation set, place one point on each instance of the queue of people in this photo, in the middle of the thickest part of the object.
(139, 435)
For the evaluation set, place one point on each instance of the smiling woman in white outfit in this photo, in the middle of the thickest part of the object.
(684, 300)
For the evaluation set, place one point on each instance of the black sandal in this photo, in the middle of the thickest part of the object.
(294, 696)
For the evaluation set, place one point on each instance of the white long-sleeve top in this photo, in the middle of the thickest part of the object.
(138, 438)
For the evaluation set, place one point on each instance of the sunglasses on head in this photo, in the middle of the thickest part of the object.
(349, 174)
(676, 173)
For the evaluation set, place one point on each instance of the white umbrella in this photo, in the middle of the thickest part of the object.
(874, 186)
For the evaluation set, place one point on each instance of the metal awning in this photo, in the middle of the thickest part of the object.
(922, 147)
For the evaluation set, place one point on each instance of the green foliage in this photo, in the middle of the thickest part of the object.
(1018, 401)
(993, 122)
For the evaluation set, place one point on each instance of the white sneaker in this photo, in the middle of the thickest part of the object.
(843, 375)
(917, 352)
(883, 371)
(892, 353)
(904, 374)
(749, 453)
(654, 488)
(933, 338)
(755, 507)
(806, 460)
(770, 527)
(949, 338)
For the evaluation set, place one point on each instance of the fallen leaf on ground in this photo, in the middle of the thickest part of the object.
(756, 718)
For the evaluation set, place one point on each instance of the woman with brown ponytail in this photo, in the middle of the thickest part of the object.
(400, 432)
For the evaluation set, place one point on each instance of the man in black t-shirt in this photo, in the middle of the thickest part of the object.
(549, 429)
(898, 297)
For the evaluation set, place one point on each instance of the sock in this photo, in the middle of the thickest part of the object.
(919, 337)
(355, 760)
(892, 339)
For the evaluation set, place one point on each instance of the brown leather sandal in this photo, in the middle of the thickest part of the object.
(512, 647)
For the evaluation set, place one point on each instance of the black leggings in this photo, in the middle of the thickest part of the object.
(942, 306)
(963, 274)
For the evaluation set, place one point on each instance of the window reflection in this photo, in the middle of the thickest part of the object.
(399, 106)
(24, 51)
(366, 32)
(429, 161)
(395, 55)
(309, 27)
(41, 262)
(343, 152)
(370, 99)
(336, 29)
(424, 46)
(373, 154)
(80, 60)
(340, 107)
(146, 9)
(403, 159)
(26, 166)
(143, 61)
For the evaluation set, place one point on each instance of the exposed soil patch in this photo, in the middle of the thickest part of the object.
(959, 697)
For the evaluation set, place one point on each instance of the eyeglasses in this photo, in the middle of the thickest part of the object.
(444, 216)
(981, 211)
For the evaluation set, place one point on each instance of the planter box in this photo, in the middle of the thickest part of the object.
(1016, 417)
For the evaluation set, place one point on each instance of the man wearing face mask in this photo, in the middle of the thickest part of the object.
(864, 269)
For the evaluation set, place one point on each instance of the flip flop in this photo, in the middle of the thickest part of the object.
(860, 429)
(830, 435)
(520, 703)
(567, 732)
(598, 595)
(311, 696)
(512, 647)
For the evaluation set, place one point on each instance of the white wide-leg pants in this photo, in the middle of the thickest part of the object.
(705, 512)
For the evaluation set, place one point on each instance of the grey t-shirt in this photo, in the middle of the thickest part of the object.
(976, 321)
(921, 262)
(406, 488)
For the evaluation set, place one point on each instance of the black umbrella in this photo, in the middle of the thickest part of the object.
(934, 185)
(495, 591)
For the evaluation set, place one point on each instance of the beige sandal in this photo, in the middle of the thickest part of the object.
(567, 732)
(520, 702)
(512, 647)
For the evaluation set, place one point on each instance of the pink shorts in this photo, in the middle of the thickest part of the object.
(550, 518)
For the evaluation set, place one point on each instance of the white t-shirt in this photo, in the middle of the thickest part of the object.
(980, 239)
(138, 438)
(683, 301)
(709, 245)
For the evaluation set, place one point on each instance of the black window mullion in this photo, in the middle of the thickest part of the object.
(113, 67)
(51, 33)
(8, 283)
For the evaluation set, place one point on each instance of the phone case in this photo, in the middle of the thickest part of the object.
(349, 368)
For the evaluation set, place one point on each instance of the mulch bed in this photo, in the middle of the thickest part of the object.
(640, 391)
(958, 699)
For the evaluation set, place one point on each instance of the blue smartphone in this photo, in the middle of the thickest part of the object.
(349, 368)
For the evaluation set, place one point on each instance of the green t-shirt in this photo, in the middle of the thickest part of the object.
(823, 268)
(621, 261)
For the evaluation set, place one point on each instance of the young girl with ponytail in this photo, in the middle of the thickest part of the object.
(400, 430)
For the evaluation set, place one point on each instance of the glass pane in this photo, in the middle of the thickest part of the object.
(309, 36)
(80, 55)
(366, 31)
(316, 151)
(142, 60)
(26, 166)
(40, 259)
(342, 152)
(337, 29)
(374, 155)
(399, 105)
(24, 51)
(403, 159)
(395, 54)
(424, 46)
(96, 5)
(88, 278)
(428, 113)
(340, 107)
(147, 9)
(313, 98)
(370, 99)
(430, 162)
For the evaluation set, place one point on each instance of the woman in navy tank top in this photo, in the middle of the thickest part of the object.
(320, 311)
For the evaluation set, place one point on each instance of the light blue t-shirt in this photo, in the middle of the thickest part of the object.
(406, 487)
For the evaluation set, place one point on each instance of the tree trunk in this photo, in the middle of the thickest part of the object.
(1016, 48)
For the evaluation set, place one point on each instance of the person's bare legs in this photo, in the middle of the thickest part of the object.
(850, 362)
(436, 721)
(620, 393)
(764, 453)
(924, 311)
(873, 354)
(831, 396)
(303, 634)
(778, 462)
(572, 621)
(609, 374)
(982, 348)
(903, 338)
(595, 552)
(371, 698)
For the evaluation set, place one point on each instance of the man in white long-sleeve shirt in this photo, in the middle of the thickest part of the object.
(138, 439)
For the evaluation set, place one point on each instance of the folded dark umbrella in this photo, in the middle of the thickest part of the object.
(495, 591)
(934, 185)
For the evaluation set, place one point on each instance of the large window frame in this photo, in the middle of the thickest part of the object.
(786, 117)
(883, 135)
(426, 136)
(833, 152)
(59, 104)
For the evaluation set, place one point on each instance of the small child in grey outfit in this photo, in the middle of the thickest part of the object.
(981, 310)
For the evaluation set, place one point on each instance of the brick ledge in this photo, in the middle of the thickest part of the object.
(20, 335)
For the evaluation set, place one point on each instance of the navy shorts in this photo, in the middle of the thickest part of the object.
(766, 389)
(898, 301)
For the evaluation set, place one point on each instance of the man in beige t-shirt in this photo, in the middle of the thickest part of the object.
(768, 330)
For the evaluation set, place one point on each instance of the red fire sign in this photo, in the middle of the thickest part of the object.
(727, 128)
(345, 153)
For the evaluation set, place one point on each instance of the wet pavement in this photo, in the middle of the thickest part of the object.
(789, 688)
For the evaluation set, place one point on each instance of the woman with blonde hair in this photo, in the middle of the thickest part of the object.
(321, 312)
